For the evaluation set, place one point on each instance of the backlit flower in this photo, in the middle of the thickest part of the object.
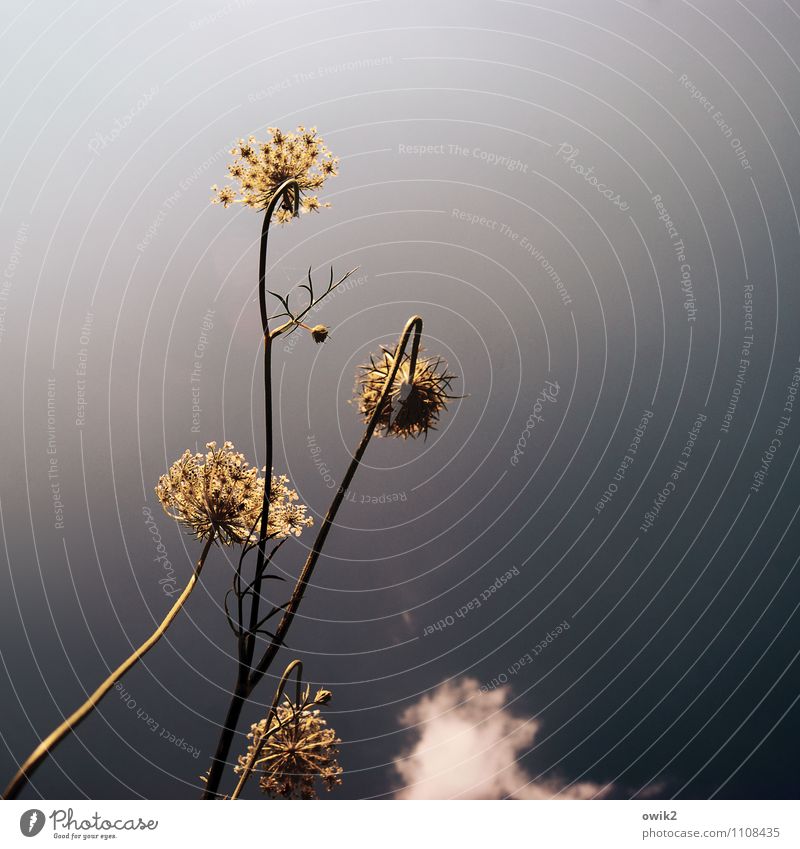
(221, 493)
(260, 168)
(414, 402)
(298, 753)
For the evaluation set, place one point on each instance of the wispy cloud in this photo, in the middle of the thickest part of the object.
(467, 747)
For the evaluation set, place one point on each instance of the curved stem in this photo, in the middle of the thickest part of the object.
(295, 664)
(288, 189)
(49, 743)
(262, 533)
(247, 641)
(414, 324)
(282, 192)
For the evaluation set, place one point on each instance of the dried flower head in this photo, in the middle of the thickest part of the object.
(414, 402)
(298, 751)
(319, 333)
(322, 697)
(221, 493)
(261, 168)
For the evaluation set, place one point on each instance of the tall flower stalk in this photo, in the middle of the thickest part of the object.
(276, 176)
(220, 499)
(378, 406)
(286, 194)
(286, 198)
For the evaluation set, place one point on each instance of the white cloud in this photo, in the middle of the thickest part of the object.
(467, 747)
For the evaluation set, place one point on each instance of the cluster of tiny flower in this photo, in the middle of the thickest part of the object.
(221, 494)
(261, 168)
(298, 749)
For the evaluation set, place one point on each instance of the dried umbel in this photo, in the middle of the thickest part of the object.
(261, 168)
(298, 753)
(414, 402)
(221, 494)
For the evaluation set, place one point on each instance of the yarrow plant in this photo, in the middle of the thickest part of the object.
(219, 498)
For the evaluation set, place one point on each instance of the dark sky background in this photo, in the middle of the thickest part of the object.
(678, 674)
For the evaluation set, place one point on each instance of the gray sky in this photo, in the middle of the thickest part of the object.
(597, 199)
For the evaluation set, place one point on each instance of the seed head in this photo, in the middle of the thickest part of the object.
(298, 751)
(414, 402)
(261, 168)
(221, 493)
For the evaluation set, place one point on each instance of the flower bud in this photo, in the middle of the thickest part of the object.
(319, 333)
(322, 697)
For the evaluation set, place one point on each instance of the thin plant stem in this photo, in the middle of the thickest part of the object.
(289, 189)
(413, 325)
(247, 639)
(23, 775)
(241, 694)
(273, 711)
